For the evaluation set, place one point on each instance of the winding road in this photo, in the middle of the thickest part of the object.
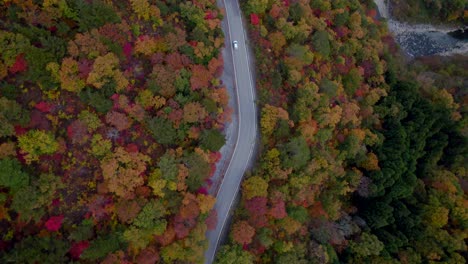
(244, 87)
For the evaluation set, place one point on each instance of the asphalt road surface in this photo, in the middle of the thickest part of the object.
(247, 125)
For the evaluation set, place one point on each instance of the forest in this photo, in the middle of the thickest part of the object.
(362, 156)
(111, 118)
(112, 115)
(430, 11)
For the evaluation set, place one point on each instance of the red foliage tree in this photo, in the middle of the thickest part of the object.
(278, 210)
(212, 220)
(118, 120)
(43, 107)
(177, 61)
(85, 66)
(209, 15)
(316, 210)
(132, 148)
(54, 223)
(39, 121)
(176, 116)
(183, 226)
(128, 49)
(254, 20)
(215, 66)
(257, 208)
(200, 77)
(275, 11)
(99, 206)
(20, 64)
(77, 131)
(78, 248)
(167, 237)
(372, 13)
(148, 255)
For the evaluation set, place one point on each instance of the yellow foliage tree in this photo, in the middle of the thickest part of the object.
(35, 143)
(157, 183)
(106, 68)
(254, 187)
(145, 11)
(371, 162)
(68, 75)
(147, 45)
(141, 8)
(270, 115)
(205, 202)
(277, 41)
(290, 225)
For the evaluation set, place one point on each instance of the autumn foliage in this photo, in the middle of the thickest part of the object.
(350, 144)
(103, 105)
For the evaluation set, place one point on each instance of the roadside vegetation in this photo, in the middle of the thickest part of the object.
(360, 160)
(111, 116)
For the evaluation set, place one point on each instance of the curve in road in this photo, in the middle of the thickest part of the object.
(247, 125)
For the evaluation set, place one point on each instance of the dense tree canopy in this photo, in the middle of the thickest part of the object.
(111, 116)
(354, 158)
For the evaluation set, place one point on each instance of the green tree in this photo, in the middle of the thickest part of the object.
(328, 87)
(168, 166)
(321, 43)
(298, 213)
(212, 140)
(92, 14)
(31, 201)
(102, 246)
(256, 6)
(295, 153)
(193, 16)
(296, 12)
(233, 255)
(352, 81)
(198, 170)
(148, 218)
(367, 245)
(12, 176)
(83, 231)
(11, 113)
(99, 99)
(162, 130)
(34, 249)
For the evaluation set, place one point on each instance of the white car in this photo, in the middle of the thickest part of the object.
(235, 44)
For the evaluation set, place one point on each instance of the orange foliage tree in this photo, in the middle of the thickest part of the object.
(122, 171)
(194, 112)
(243, 233)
